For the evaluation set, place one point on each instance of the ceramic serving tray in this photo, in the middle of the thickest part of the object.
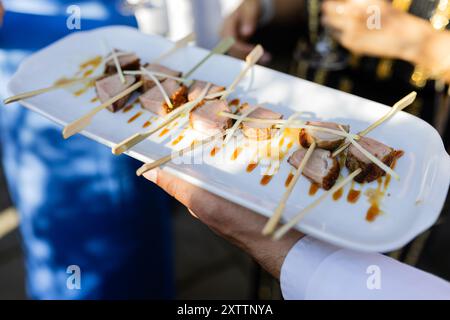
(407, 207)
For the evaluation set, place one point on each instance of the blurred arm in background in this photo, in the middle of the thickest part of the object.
(399, 35)
(244, 21)
(2, 12)
(307, 268)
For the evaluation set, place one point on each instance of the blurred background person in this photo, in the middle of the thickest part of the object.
(78, 204)
(377, 49)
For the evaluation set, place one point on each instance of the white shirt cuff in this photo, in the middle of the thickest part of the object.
(300, 264)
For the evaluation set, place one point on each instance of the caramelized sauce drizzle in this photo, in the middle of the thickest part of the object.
(163, 132)
(95, 99)
(375, 196)
(94, 63)
(236, 153)
(265, 180)
(177, 140)
(288, 180)
(313, 189)
(214, 151)
(235, 102)
(137, 115)
(127, 108)
(338, 194)
(146, 124)
(353, 194)
(251, 167)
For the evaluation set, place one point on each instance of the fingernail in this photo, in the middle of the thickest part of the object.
(266, 58)
(246, 29)
(152, 175)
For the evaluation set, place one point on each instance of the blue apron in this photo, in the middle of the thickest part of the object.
(78, 204)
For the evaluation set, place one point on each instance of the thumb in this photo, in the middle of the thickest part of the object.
(249, 21)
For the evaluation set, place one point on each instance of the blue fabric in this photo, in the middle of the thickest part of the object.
(78, 204)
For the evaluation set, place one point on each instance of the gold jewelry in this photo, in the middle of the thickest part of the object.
(439, 21)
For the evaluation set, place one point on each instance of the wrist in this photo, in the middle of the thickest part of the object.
(416, 49)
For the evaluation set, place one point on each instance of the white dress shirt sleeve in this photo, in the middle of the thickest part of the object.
(316, 270)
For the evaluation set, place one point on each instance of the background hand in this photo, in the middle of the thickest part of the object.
(241, 25)
(231, 221)
(353, 23)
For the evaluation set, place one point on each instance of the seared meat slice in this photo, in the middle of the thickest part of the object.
(111, 86)
(321, 168)
(324, 140)
(370, 171)
(149, 83)
(258, 130)
(197, 87)
(153, 100)
(204, 118)
(127, 62)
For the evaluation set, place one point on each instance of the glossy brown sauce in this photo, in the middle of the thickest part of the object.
(375, 197)
(93, 63)
(214, 151)
(177, 140)
(62, 81)
(163, 132)
(288, 180)
(127, 108)
(146, 124)
(137, 115)
(251, 167)
(265, 180)
(235, 102)
(353, 196)
(313, 189)
(338, 194)
(236, 153)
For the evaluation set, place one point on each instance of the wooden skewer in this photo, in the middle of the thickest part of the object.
(400, 105)
(222, 47)
(155, 164)
(282, 231)
(183, 42)
(33, 93)
(252, 58)
(116, 61)
(273, 221)
(178, 45)
(128, 143)
(81, 123)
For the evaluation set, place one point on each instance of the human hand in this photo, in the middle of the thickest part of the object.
(375, 28)
(241, 25)
(233, 222)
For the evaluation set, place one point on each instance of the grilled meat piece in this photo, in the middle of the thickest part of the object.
(110, 86)
(321, 168)
(258, 130)
(370, 171)
(149, 83)
(324, 140)
(127, 62)
(153, 100)
(205, 119)
(197, 87)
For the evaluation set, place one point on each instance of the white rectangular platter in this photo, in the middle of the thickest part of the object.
(409, 206)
